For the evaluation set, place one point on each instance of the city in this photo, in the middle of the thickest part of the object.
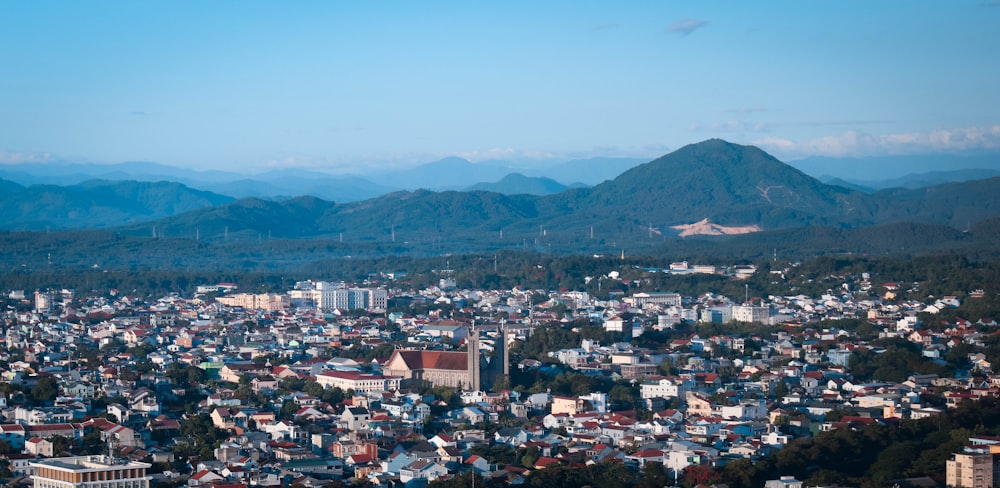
(332, 383)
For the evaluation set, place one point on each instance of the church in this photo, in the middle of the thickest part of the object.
(467, 370)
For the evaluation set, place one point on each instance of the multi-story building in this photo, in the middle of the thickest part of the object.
(751, 314)
(269, 302)
(322, 295)
(665, 299)
(969, 471)
(665, 388)
(89, 472)
(359, 382)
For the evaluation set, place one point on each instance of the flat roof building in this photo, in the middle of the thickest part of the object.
(90, 472)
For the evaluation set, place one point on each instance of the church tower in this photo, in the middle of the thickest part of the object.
(472, 343)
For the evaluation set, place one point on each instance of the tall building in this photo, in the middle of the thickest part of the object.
(43, 302)
(969, 471)
(89, 472)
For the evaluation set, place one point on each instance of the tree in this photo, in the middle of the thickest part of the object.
(699, 475)
(45, 390)
(530, 457)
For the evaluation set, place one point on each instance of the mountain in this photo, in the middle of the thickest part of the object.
(830, 180)
(97, 203)
(730, 185)
(878, 168)
(447, 173)
(918, 180)
(589, 171)
(66, 173)
(295, 182)
(517, 183)
(954, 204)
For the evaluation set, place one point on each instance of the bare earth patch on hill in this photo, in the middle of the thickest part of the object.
(706, 228)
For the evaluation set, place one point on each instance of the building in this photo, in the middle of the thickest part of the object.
(90, 472)
(969, 471)
(358, 382)
(326, 296)
(436, 368)
(467, 370)
(751, 314)
(43, 302)
(268, 302)
(665, 299)
(665, 388)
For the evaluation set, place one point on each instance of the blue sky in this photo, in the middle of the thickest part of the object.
(349, 85)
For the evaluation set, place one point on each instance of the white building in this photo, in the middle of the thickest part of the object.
(751, 314)
(358, 382)
(664, 299)
(665, 388)
(326, 296)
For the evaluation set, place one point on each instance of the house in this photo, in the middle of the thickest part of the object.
(479, 464)
(204, 477)
(356, 418)
(421, 469)
(38, 447)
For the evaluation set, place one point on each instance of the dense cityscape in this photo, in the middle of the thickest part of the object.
(373, 384)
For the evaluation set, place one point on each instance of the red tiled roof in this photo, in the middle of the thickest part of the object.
(415, 360)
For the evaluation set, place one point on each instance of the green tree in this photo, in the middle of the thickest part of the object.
(45, 390)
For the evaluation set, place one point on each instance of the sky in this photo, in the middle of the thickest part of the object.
(350, 86)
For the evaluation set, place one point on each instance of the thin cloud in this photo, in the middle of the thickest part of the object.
(686, 26)
(856, 143)
(138, 113)
(15, 157)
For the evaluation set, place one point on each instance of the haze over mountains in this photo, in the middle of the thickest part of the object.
(728, 184)
(506, 177)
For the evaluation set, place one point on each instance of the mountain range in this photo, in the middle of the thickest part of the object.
(728, 184)
(97, 203)
(713, 183)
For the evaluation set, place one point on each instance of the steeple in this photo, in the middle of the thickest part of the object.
(472, 343)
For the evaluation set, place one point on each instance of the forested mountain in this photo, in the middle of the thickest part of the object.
(726, 183)
(97, 203)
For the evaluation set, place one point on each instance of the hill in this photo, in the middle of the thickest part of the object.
(730, 185)
(733, 186)
(97, 203)
(518, 184)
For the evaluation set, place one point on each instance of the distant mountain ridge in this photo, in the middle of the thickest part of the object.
(517, 184)
(97, 203)
(451, 173)
(729, 184)
(722, 184)
(914, 181)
